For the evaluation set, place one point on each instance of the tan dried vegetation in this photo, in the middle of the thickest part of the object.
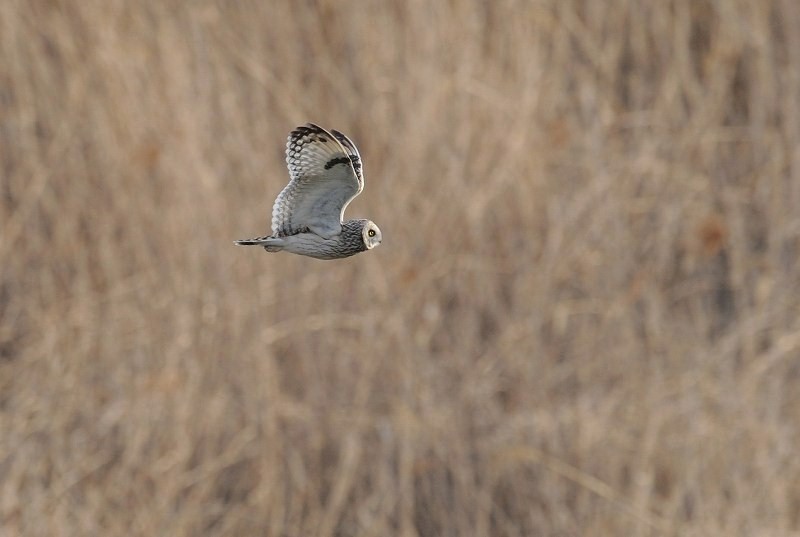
(584, 318)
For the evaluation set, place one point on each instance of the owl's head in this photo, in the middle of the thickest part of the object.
(371, 235)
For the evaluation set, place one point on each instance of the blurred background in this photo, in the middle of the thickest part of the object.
(584, 318)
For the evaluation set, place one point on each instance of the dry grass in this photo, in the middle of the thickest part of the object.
(584, 318)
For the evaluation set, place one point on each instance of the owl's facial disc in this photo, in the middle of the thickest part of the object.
(372, 235)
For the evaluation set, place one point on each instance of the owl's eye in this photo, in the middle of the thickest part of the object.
(371, 232)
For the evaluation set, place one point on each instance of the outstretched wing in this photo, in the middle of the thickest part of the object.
(325, 177)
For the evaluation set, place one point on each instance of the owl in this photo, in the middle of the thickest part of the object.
(308, 215)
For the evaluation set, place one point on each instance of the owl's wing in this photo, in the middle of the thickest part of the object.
(325, 171)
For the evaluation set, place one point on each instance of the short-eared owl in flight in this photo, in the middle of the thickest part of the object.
(307, 217)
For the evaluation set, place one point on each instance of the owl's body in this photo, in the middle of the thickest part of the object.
(350, 241)
(325, 170)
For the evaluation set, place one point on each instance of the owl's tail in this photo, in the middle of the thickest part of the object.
(270, 244)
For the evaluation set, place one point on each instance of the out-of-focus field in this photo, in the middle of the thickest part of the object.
(584, 318)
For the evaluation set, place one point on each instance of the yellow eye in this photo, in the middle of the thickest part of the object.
(371, 232)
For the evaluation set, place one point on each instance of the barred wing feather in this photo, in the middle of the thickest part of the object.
(325, 171)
